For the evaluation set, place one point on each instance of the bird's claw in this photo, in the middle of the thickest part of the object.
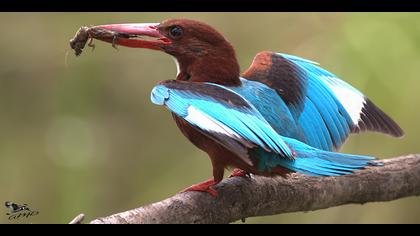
(206, 186)
(239, 173)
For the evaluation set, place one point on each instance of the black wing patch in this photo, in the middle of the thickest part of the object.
(374, 119)
(280, 74)
(204, 89)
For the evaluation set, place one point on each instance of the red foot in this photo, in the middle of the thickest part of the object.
(205, 186)
(239, 173)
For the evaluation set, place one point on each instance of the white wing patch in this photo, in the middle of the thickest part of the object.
(351, 99)
(207, 123)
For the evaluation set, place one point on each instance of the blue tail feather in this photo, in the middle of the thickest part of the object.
(314, 162)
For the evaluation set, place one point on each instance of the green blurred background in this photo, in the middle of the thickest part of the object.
(81, 135)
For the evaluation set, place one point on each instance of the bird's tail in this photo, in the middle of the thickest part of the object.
(315, 162)
(329, 164)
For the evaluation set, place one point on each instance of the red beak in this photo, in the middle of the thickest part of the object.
(132, 35)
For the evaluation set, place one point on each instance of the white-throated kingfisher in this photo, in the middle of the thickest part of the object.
(283, 114)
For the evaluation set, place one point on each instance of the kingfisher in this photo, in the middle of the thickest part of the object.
(283, 114)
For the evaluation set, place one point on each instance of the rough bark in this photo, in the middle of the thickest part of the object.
(240, 198)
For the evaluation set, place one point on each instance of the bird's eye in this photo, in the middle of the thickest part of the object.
(175, 32)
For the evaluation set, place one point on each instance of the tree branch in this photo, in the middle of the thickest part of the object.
(259, 196)
(77, 220)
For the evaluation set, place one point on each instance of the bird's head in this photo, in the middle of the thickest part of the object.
(202, 54)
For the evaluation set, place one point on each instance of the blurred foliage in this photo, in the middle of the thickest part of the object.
(80, 135)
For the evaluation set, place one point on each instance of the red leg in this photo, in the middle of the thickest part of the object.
(239, 173)
(205, 186)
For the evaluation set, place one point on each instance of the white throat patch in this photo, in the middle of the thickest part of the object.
(178, 69)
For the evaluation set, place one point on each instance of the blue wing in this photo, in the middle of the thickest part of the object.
(324, 107)
(230, 119)
(271, 106)
(221, 113)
